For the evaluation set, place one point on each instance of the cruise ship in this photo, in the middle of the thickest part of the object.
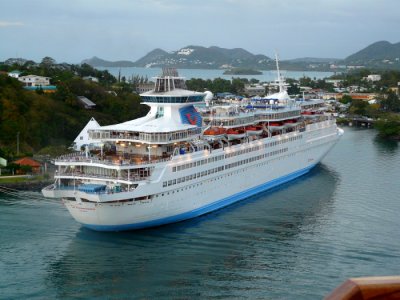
(185, 159)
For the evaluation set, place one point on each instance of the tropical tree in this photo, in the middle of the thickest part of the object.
(391, 103)
(346, 99)
(389, 127)
(358, 107)
(47, 62)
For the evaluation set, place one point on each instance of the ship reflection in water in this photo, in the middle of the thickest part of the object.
(245, 249)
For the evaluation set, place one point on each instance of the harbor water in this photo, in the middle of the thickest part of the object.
(298, 241)
(212, 74)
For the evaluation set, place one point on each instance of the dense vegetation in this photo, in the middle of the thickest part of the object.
(389, 78)
(41, 120)
(386, 111)
(380, 55)
(242, 71)
(219, 85)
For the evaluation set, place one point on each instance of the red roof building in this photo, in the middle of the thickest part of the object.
(26, 161)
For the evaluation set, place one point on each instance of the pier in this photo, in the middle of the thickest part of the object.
(358, 122)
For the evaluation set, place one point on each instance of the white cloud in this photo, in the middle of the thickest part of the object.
(10, 24)
(129, 29)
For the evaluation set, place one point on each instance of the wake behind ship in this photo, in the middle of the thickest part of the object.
(179, 162)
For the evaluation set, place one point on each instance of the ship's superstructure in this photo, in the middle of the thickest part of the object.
(179, 161)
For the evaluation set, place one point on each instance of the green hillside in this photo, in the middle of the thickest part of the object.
(42, 119)
(376, 51)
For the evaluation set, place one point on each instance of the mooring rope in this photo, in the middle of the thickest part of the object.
(18, 193)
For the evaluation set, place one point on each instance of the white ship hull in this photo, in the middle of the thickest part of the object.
(164, 168)
(245, 176)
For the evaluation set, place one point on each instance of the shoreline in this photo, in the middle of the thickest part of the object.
(34, 186)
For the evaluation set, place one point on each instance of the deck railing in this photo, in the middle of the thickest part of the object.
(80, 175)
(81, 157)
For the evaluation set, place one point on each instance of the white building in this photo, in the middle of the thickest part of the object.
(91, 78)
(34, 80)
(374, 77)
(83, 137)
(14, 74)
(254, 90)
(335, 82)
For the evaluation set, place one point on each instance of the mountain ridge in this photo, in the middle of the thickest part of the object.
(98, 62)
(381, 54)
(376, 51)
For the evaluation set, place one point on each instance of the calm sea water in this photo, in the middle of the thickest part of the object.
(212, 74)
(298, 241)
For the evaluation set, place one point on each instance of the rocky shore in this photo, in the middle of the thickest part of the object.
(35, 186)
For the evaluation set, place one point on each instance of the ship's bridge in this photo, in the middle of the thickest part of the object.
(169, 89)
(175, 97)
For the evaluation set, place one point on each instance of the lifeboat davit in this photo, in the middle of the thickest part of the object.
(308, 112)
(254, 129)
(235, 133)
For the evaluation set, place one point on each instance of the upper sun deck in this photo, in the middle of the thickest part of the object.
(232, 116)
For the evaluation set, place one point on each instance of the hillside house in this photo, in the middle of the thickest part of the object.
(86, 102)
(34, 80)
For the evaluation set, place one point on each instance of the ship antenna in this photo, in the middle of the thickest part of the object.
(280, 79)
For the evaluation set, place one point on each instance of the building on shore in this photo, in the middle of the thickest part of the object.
(28, 162)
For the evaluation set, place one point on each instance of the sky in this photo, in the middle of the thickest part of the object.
(73, 30)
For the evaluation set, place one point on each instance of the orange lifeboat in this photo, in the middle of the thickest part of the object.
(254, 129)
(307, 112)
(236, 133)
(291, 122)
(214, 133)
(275, 125)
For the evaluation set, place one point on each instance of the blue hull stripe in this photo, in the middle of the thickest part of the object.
(205, 209)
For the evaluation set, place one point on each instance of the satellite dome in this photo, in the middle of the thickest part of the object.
(209, 96)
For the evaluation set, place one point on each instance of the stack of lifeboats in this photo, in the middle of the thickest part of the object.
(215, 133)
